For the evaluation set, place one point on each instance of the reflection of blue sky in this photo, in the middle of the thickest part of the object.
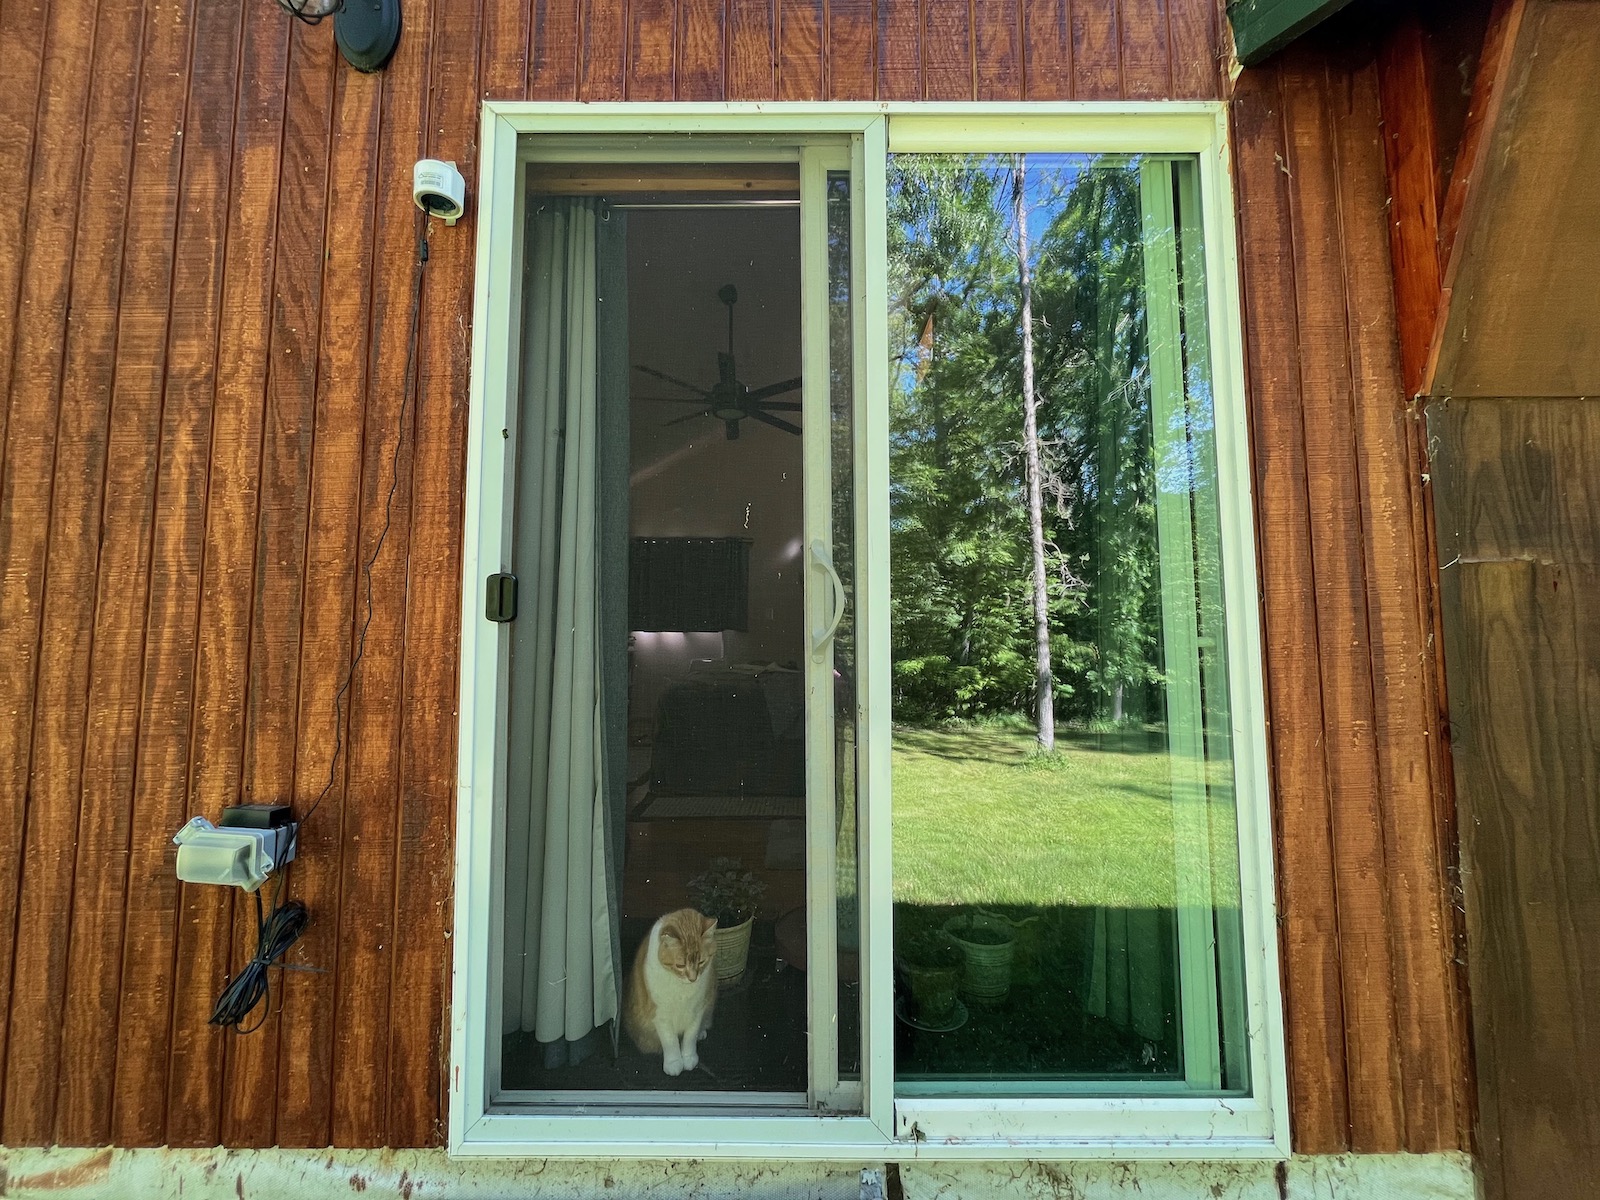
(1187, 459)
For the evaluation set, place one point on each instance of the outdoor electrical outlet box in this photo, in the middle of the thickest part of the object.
(241, 855)
(255, 816)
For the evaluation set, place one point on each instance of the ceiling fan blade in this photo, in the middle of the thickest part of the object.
(778, 405)
(698, 391)
(773, 389)
(704, 412)
(668, 399)
(775, 422)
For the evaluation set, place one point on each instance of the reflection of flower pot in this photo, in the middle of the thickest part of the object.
(733, 950)
(934, 989)
(1028, 935)
(989, 946)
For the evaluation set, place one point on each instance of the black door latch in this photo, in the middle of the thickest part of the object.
(500, 603)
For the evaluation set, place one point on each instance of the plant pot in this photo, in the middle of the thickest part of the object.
(1027, 963)
(990, 947)
(934, 989)
(733, 951)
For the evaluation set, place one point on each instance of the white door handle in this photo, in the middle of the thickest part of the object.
(821, 635)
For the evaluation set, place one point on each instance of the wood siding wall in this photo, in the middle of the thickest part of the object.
(212, 423)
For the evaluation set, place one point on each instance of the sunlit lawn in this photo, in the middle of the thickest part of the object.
(979, 821)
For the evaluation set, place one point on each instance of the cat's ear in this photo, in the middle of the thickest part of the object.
(711, 923)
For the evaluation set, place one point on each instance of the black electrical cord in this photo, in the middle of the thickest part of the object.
(297, 10)
(278, 931)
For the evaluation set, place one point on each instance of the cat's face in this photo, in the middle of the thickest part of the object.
(687, 947)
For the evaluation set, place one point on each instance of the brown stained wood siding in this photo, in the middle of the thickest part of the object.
(197, 464)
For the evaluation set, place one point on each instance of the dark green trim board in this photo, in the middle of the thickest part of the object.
(1263, 27)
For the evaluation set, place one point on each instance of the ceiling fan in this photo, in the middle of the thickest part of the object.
(729, 399)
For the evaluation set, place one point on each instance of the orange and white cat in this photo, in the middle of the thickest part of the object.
(672, 989)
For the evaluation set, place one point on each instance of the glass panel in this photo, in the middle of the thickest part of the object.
(656, 771)
(841, 395)
(1065, 868)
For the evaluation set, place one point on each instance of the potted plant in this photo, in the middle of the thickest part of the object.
(933, 966)
(989, 946)
(729, 893)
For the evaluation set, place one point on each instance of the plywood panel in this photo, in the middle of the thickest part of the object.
(420, 959)
(150, 978)
(802, 61)
(1312, 977)
(259, 414)
(1342, 632)
(1523, 281)
(40, 692)
(900, 49)
(124, 302)
(997, 38)
(1525, 699)
(1427, 1020)
(305, 1070)
(1196, 53)
(851, 60)
(1096, 50)
(753, 50)
(1047, 49)
(368, 863)
(947, 66)
(699, 57)
(1146, 57)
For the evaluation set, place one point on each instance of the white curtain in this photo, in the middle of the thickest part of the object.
(561, 971)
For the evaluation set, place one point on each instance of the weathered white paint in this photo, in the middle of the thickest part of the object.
(424, 1174)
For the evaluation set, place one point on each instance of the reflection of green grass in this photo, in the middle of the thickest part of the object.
(977, 820)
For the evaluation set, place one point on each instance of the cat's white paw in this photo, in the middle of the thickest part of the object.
(673, 1065)
(702, 1036)
(691, 1060)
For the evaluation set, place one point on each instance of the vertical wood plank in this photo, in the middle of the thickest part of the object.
(852, 50)
(602, 50)
(132, 361)
(22, 30)
(800, 50)
(1312, 992)
(652, 52)
(250, 1111)
(1195, 48)
(1343, 638)
(1146, 52)
(551, 66)
(900, 50)
(219, 937)
(1429, 1036)
(702, 29)
(947, 65)
(305, 1071)
(1047, 48)
(366, 915)
(997, 32)
(1096, 51)
(78, 390)
(753, 49)
(1408, 142)
(161, 794)
(424, 913)
(25, 517)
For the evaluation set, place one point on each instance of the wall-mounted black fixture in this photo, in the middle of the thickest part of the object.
(367, 31)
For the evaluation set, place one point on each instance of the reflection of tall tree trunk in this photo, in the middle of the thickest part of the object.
(1044, 687)
(1106, 427)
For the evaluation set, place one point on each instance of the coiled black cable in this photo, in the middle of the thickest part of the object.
(274, 935)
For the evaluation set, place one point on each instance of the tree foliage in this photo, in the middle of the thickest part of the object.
(962, 617)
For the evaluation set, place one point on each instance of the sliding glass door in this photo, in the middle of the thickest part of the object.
(679, 824)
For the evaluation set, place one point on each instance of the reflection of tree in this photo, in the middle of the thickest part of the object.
(963, 551)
